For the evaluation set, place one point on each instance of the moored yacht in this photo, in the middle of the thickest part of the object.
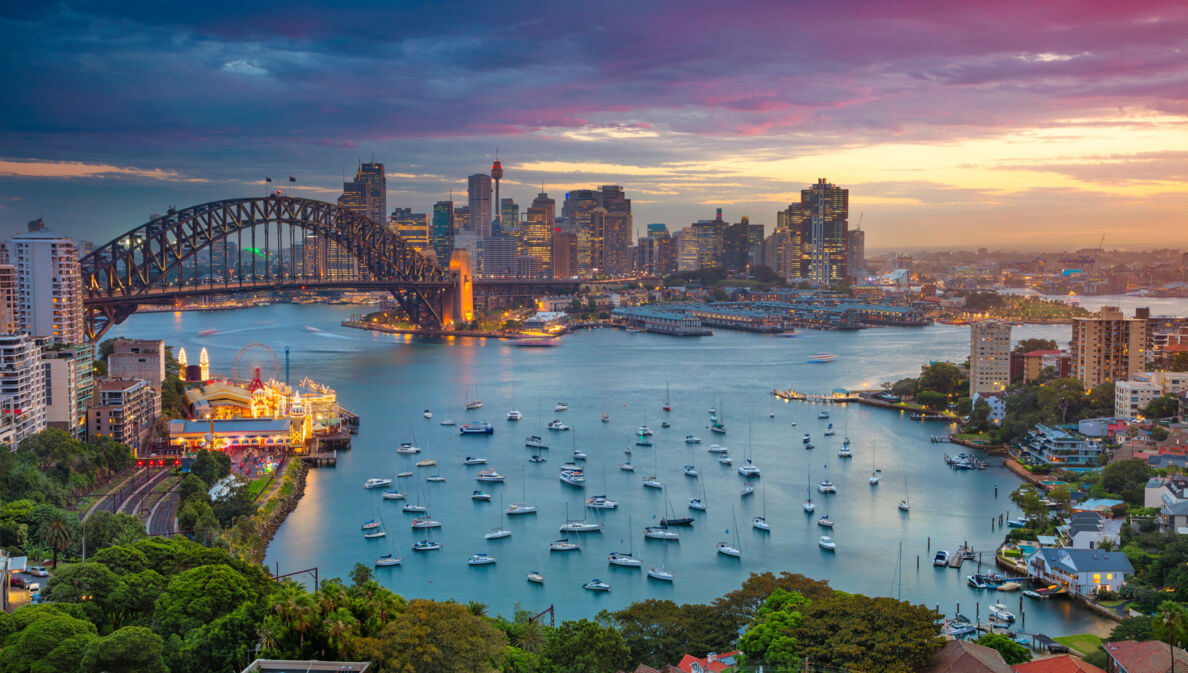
(748, 469)
(410, 508)
(393, 495)
(829, 431)
(474, 460)
(535, 577)
(387, 560)
(660, 574)
(427, 414)
(690, 471)
(514, 415)
(627, 467)
(407, 448)
(425, 522)
(825, 542)
(579, 455)
(596, 585)
(653, 482)
(825, 521)
(809, 505)
(806, 439)
(481, 559)
(447, 422)
(426, 545)
(534, 442)
(377, 482)
(690, 439)
(482, 428)
(488, 474)
(564, 545)
(520, 508)
(661, 533)
(826, 487)
(561, 406)
(822, 414)
(697, 504)
(480, 495)
(644, 431)
(601, 502)
(726, 460)
(497, 533)
(715, 448)
(941, 558)
(572, 476)
(624, 560)
(557, 425)
(581, 526)
(845, 452)
(760, 522)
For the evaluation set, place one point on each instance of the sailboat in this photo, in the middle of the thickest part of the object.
(653, 481)
(809, 505)
(601, 501)
(416, 508)
(514, 414)
(669, 518)
(716, 424)
(735, 550)
(661, 572)
(499, 531)
(875, 472)
(536, 441)
(904, 505)
(374, 532)
(521, 507)
(667, 402)
(579, 525)
(760, 522)
(389, 559)
(699, 504)
(472, 403)
(748, 469)
(626, 560)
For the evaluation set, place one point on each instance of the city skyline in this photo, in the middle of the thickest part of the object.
(1016, 126)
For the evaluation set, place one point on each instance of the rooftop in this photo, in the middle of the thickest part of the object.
(959, 656)
(1064, 663)
(1085, 560)
(1148, 656)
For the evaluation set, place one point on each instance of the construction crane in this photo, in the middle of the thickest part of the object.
(1101, 243)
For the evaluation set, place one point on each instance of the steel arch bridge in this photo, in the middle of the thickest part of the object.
(161, 261)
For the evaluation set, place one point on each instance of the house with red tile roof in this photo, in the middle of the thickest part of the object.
(712, 663)
(1064, 663)
(1148, 656)
(959, 656)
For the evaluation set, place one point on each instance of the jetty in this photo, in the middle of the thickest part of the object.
(958, 557)
(321, 459)
(836, 397)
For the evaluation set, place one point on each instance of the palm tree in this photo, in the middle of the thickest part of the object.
(1172, 616)
(477, 609)
(340, 630)
(533, 637)
(56, 535)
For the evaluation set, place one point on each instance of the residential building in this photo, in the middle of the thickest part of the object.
(412, 227)
(125, 410)
(1033, 363)
(499, 257)
(712, 662)
(69, 382)
(1108, 347)
(49, 287)
(441, 235)
(1133, 395)
(564, 255)
(960, 656)
(1052, 446)
(856, 254)
(989, 357)
(1080, 571)
(1088, 530)
(22, 387)
(536, 234)
(478, 192)
(1061, 663)
(9, 291)
(138, 359)
(997, 404)
(1148, 656)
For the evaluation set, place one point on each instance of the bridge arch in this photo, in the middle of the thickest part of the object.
(149, 264)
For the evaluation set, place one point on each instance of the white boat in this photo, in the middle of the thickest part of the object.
(372, 534)
(874, 478)
(564, 545)
(697, 504)
(726, 460)
(660, 574)
(557, 426)
(661, 533)
(690, 471)
(514, 415)
(806, 439)
(690, 439)
(404, 474)
(425, 522)
(572, 477)
(427, 414)
(652, 482)
(731, 550)
(488, 474)
(534, 442)
(601, 502)
(535, 577)
(596, 585)
(474, 460)
(387, 560)
(370, 525)
(520, 508)
(845, 452)
(1000, 611)
(474, 404)
(747, 489)
(829, 431)
(480, 495)
(825, 542)
(481, 559)
(809, 505)
(819, 358)
(825, 521)
(534, 458)
(415, 509)
(447, 422)
(581, 526)
(426, 545)
(377, 482)
(579, 455)
(904, 506)
(407, 448)
(760, 522)
(393, 495)
(605, 418)
(627, 467)
(1033, 594)
(428, 462)
(826, 487)
(561, 406)
(483, 428)
(748, 469)
(941, 558)
(497, 533)
(822, 414)
(643, 431)
(715, 448)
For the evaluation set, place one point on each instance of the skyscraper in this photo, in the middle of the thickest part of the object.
(375, 191)
(509, 216)
(564, 254)
(412, 227)
(499, 257)
(825, 209)
(989, 357)
(1108, 347)
(736, 245)
(478, 191)
(496, 175)
(49, 287)
(367, 196)
(22, 388)
(442, 232)
(536, 236)
(578, 211)
(856, 254)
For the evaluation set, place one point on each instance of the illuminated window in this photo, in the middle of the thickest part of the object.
(1097, 578)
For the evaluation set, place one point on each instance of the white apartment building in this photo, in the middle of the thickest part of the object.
(49, 287)
(1133, 395)
(989, 357)
(22, 388)
(69, 384)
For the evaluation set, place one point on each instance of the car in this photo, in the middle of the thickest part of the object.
(16, 581)
(34, 587)
(37, 571)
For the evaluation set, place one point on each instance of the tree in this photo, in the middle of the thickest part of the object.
(1179, 362)
(739, 607)
(1012, 653)
(57, 535)
(443, 637)
(48, 640)
(1127, 478)
(1101, 399)
(904, 387)
(361, 575)
(979, 416)
(965, 406)
(766, 274)
(1062, 398)
(132, 649)
(868, 634)
(1028, 500)
(199, 595)
(584, 646)
(660, 631)
(1164, 406)
(769, 639)
(1033, 344)
(1169, 625)
(932, 400)
(1133, 628)
(211, 466)
(942, 377)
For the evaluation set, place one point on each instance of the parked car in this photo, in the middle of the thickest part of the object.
(16, 581)
(37, 571)
(34, 587)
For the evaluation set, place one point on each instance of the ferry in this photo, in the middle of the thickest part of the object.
(476, 429)
(377, 482)
(819, 358)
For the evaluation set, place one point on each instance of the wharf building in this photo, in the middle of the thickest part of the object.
(1108, 347)
(670, 320)
(989, 357)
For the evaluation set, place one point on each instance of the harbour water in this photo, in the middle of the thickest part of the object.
(389, 380)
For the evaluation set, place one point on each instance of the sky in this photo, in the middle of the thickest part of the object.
(1010, 124)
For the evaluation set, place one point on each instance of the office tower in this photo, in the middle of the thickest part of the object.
(989, 357)
(412, 227)
(782, 252)
(125, 410)
(826, 208)
(754, 241)
(645, 255)
(461, 218)
(496, 175)
(856, 254)
(614, 232)
(375, 193)
(736, 245)
(687, 249)
(657, 229)
(478, 191)
(22, 388)
(49, 287)
(69, 382)
(138, 359)
(536, 236)
(664, 254)
(564, 254)
(8, 299)
(499, 257)
(442, 235)
(509, 217)
(578, 211)
(367, 196)
(1108, 346)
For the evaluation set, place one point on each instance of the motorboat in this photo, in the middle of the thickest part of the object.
(653, 482)
(534, 442)
(481, 559)
(377, 482)
(387, 560)
(825, 521)
(601, 502)
(941, 559)
(825, 542)
(557, 426)
(425, 522)
(370, 525)
(428, 462)
(426, 545)
(874, 478)
(809, 447)
(407, 448)
(480, 495)
(845, 452)
(534, 458)
(474, 460)
(665, 424)
(1033, 594)
(748, 469)
(497, 533)
(690, 439)
(643, 431)
(718, 427)
(427, 414)
(514, 415)
(1000, 612)
(605, 418)
(809, 505)
(1010, 586)
(747, 490)
(564, 545)
(474, 404)
(1017, 523)
(717, 448)
(596, 585)
(846, 441)
(821, 358)
(520, 508)
(561, 406)
(581, 526)
(661, 533)
(826, 487)
(579, 455)
(806, 439)
(415, 509)
(660, 574)
(690, 471)
(393, 495)
(448, 422)
(573, 477)
(373, 534)
(760, 523)
(488, 474)
(404, 474)
(482, 428)
(829, 431)
(822, 414)
(535, 577)
(643, 441)
(627, 467)
(726, 460)
(697, 504)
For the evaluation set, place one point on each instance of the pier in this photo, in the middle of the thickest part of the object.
(323, 459)
(958, 557)
(831, 398)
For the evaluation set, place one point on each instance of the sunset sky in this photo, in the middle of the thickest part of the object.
(1015, 125)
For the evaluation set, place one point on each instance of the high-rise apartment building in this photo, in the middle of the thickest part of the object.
(125, 410)
(856, 254)
(442, 232)
(8, 299)
(499, 257)
(736, 245)
(578, 211)
(478, 192)
(412, 227)
(69, 384)
(536, 235)
(22, 388)
(49, 287)
(138, 359)
(1108, 346)
(825, 209)
(989, 357)
(564, 254)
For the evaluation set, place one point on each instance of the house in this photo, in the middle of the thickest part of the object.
(1148, 656)
(712, 663)
(959, 656)
(644, 668)
(1173, 503)
(1063, 448)
(1087, 530)
(997, 404)
(1080, 571)
(1096, 505)
(1064, 663)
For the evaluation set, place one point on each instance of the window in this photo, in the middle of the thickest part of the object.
(1097, 578)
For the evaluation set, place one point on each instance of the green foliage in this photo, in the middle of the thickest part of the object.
(1178, 363)
(1012, 652)
(979, 417)
(1033, 344)
(46, 639)
(105, 529)
(361, 574)
(868, 634)
(964, 406)
(1127, 478)
(765, 274)
(904, 388)
(199, 595)
(132, 649)
(741, 606)
(1164, 406)
(211, 466)
(698, 277)
(658, 632)
(584, 646)
(932, 400)
(769, 640)
(58, 534)
(942, 377)
(52, 467)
